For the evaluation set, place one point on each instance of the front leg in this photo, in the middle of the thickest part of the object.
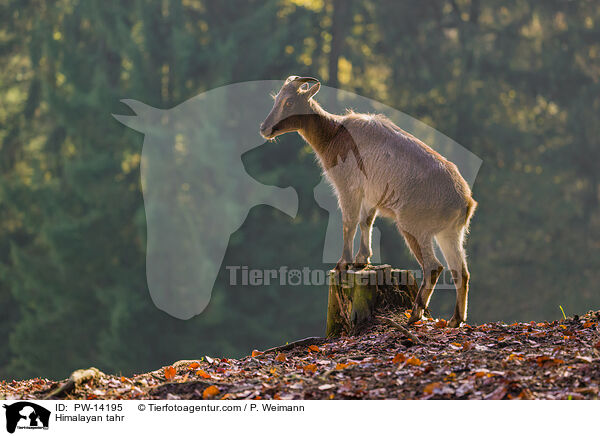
(350, 216)
(367, 218)
(349, 233)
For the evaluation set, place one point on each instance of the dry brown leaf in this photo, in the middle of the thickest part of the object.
(413, 361)
(431, 387)
(399, 358)
(193, 365)
(514, 356)
(310, 368)
(203, 374)
(256, 353)
(546, 361)
(468, 345)
(280, 357)
(210, 392)
(313, 348)
(441, 323)
(170, 372)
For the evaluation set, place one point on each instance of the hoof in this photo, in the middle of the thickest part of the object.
(453, 323)
(342, 266)
(414, 318)
(359, 265)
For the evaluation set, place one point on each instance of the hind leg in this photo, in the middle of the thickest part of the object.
(422, 248)
(451, 243)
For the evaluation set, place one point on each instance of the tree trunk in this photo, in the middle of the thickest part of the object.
(338, 26)
(355, 296)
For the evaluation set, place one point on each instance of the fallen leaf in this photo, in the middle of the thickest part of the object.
(203, 374)
(587, 390)
(326, 387)
(256, 353)
(431, 387)
(193, 365)
(313, 348)
(514, 356)
(399, 358)
(413, 361)
(310, 368)
(210, 392)
(170, 372)
(341, 366)
(546, 361)
(450, 376)
(441, 323)
(280, 357)
(525, 394)
(498, 394)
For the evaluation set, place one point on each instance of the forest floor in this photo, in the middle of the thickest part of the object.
(536, 360)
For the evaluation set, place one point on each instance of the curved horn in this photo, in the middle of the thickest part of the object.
(305, 79)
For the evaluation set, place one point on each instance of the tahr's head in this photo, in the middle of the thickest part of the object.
(291, 102)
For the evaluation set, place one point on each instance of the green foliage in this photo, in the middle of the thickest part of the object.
(516, 82)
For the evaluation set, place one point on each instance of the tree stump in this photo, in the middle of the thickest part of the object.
(354, 296)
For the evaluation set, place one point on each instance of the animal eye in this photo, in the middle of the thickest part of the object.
(289, 103)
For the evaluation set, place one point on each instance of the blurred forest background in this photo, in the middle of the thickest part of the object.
(517, 82)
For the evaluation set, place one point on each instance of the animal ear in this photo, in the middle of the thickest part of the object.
(313, 90)
(144, 115)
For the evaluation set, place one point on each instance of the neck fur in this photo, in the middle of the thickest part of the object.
(319, 128)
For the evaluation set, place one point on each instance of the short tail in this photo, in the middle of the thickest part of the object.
(471, 206)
